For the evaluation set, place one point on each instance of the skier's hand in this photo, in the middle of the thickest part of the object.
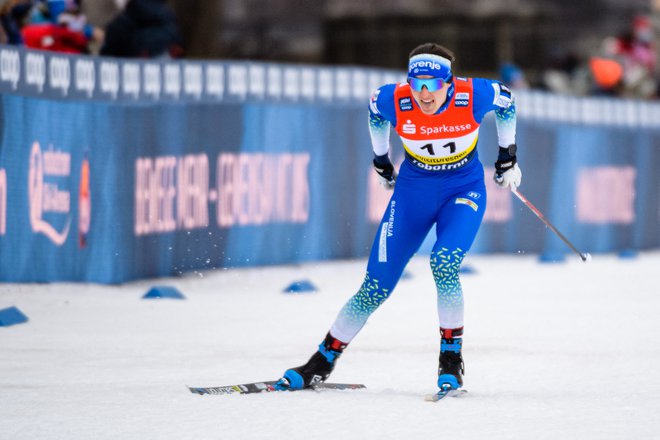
(507, 172)
(385, 170)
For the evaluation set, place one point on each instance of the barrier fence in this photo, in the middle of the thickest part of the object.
(113, 170)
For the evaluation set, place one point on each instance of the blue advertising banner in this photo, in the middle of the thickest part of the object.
(113, 170)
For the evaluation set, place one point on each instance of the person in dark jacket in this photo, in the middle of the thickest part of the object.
(144, 29)
(14, 14)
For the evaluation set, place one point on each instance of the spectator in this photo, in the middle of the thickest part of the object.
(144, 29)
(14, 14)
(636, 52)
(567, 75)
(47, 11)
(59, 26)
(512, 76)
(54, 38)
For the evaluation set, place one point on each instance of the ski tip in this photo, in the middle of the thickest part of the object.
(442, 394)
(194, 390)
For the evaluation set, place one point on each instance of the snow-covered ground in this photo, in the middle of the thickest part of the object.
(552, 351)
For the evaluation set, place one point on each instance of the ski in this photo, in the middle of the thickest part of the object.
(268, 387)
(445, 393)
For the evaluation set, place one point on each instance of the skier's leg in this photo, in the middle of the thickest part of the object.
(457, 226)
(401, 232)
(407, 220)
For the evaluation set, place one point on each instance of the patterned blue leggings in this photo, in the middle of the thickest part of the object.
(456, 206)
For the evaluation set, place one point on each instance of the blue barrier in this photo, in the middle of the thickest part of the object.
(155, 168)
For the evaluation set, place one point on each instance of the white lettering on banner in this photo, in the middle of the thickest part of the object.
(152, 81)
(85, 76)
(46, 196)
(257, 82)
(131, 79)
(57, 163)
(359, 87)
(10, 67)
(171, 193)
(55, 200)
(110, 78)
(59, 70)
(193, 192)
(215, 81)
(274, 82)
(155, 193)
(35, 70)
(325, 84)
(254, 189)
(237, 83)
(606, 195)
(375, 81)
(343, 84)
(192, 80)
(391, 78)
(308, 83)
(173, 80)
(291, 83)
(3, 201)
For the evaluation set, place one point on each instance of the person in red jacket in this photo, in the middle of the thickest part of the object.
(54, 37)
(60, 26)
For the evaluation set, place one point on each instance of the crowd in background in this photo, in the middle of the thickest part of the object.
(624, 65)
(143, 28)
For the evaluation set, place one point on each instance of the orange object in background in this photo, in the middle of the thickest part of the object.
(606, 72)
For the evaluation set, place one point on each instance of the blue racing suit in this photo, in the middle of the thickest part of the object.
(440, 182)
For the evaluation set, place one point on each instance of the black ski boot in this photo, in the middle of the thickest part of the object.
(317, 369)
(451, 369)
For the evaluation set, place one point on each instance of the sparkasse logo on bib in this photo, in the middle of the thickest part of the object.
(409, 127)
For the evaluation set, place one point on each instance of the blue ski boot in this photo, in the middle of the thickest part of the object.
(451, 369)
(316, 370)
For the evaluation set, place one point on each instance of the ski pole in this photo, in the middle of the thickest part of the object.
(584, 256)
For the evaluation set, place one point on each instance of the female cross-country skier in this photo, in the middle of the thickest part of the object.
(441, 183)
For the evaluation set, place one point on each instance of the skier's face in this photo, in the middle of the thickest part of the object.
(430, 102)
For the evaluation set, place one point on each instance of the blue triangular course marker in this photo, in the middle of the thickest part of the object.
(163, 292)
(468, 270)
(552, 257)
(11, 316)
(301, 286)
(628, 254)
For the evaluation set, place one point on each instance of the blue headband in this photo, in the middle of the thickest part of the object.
(429, 64)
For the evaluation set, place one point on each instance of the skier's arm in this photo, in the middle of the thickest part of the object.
(381, 112)
(493, 95)
(505, 115)
(379, 129)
